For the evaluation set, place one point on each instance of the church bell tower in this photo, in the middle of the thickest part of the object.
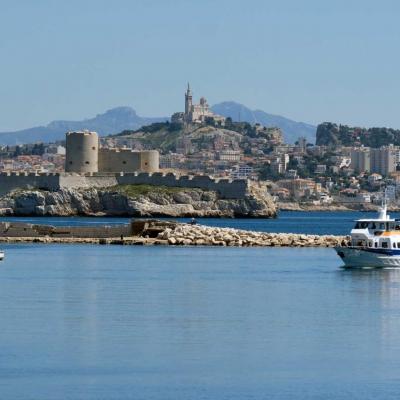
(188, 102)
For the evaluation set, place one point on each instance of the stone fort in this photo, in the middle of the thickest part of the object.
(88, 166)
(83, 154)
(226, 188)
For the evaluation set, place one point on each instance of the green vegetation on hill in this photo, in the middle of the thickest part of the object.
(143, 190)
(164, 136)
(153, 128)
(159, 135)
(330, 134)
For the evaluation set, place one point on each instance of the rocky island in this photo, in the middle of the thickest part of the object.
(137, 201)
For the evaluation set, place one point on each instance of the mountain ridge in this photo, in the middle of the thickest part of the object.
(122, 118)
(292, 130)
(111, 121)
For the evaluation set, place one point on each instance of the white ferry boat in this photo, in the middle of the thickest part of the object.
(374, 243)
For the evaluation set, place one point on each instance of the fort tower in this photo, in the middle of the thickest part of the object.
(81, 152)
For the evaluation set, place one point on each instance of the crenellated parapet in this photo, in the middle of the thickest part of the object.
(28, 180)
(226, 188)
(27, 173)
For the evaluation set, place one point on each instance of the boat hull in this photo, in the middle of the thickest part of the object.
(368, 257)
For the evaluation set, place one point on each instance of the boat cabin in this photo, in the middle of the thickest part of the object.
(378, 225)
(379, 234)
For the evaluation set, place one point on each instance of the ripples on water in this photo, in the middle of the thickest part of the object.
(330, 223)
(121, 322)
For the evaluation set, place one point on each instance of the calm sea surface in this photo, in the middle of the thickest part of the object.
(83, 322)
(334, 223)
(121, 322)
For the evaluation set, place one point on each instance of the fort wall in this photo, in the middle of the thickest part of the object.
(127, 160)
(226, 188)
(20, 229)
(76, 181)
(24, 180)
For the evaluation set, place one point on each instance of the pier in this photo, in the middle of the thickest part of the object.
(160, 232)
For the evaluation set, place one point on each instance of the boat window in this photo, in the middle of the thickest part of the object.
(357, 226)
(385, 245)
(398, 245)
(381, 226)
(373, 226)
(364, 225)
(369, 244)
(376, 244)
(394, 245)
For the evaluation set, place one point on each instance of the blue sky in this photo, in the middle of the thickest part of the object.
(310, 60)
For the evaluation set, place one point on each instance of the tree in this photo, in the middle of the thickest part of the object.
(17, 151)
(266, 173)
(228, 122)
(210, 121)
(38, 149)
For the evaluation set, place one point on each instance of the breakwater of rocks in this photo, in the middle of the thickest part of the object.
(190, 235)
(156, 232)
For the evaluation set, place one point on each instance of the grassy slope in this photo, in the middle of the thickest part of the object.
(137, 190)
(159, 137)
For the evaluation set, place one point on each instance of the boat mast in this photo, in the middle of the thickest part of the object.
(383, 211)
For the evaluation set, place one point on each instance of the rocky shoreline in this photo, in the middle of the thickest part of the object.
(294, 206)
(156, 201)
(136, 201)
(153, 203)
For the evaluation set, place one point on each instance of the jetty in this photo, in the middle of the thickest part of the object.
(160, 232)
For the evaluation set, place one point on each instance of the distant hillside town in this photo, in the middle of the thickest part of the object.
(346, 167)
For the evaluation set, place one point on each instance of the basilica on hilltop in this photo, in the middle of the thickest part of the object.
(196, 113)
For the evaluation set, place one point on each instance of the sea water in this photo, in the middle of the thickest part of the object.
(316, 223)
(88, 322)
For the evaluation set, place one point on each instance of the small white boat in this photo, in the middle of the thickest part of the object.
(375, 243)
(1, 255)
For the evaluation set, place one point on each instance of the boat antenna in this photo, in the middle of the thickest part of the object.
(384, 204)
(384, 198)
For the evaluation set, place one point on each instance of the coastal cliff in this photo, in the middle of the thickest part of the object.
(136, 201)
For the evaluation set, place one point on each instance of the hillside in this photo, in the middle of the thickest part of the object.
(166, 136)
(291, 129)
(331, 134)
(112, 121)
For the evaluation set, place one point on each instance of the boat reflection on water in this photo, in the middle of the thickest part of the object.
(377, 295)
